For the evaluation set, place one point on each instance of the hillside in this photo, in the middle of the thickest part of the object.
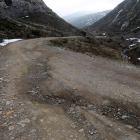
(123, 19)
(87, 20)
(33, 15)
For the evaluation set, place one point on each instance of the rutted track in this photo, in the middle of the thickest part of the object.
(55, 94)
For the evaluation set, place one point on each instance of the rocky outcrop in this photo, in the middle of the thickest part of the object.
(124, 18)
(19, 8)
(36, 11)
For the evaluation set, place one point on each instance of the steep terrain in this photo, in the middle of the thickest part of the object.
(124, 18)
(87, 20)
(123, 25)
(36, 15)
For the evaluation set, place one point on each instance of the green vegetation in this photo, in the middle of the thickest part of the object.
(35, 32)
(10, 28)
(104, 47)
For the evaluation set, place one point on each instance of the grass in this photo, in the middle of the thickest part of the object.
(9, 28)
(100, 47)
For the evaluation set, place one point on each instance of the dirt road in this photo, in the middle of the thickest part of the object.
(49, 93)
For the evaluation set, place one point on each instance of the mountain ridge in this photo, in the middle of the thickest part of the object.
(37, 13)
(124, 18)
(87, 20)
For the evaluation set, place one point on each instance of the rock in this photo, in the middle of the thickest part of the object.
(73, 125)
(42, 120)
(129, 126)
(33, 130)
(104, 113)
(8, 102)
(90, 106)
(81, 130)
(25, 121)
(124, 117)
(11, 128)
(111, 125)
(91, 132)
(1, 79)
(9, 113)
(0, 112)
(34, 118)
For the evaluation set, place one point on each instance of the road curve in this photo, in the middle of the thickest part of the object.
(50, 93)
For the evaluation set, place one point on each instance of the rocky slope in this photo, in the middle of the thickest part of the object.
(87, 20)
(124, 18)
(35, 13)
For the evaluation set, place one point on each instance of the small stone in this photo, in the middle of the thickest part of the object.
(33, 130)
(8, 102)
(104, 113)
(111, 125)
(91, 132)
(42, 120)
(11, 128)
(124, 117)
(90, 106)
(0, 112)
(26, 121)
(129, 126)
(34, 118)
(73, 126)
(81, 130)
(1, 79)
(119, 109)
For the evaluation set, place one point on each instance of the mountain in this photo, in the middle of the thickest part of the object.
(83, 21)
(77, 14)
(124, 18)
(34, 14)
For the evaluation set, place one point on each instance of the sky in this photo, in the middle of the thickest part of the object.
(66, 7)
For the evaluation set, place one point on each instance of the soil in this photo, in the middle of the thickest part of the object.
(49, 93)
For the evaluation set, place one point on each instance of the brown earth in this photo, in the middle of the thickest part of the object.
(49, 93)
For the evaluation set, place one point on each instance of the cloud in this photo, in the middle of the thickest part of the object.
(63, 7)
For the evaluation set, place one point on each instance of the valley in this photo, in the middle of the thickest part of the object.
(70, 78)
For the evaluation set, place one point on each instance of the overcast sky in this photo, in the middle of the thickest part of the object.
(66, 7)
